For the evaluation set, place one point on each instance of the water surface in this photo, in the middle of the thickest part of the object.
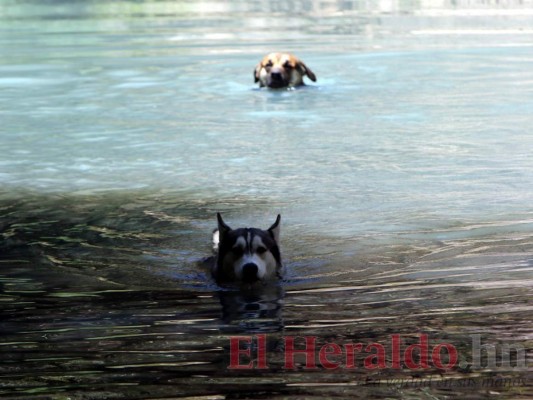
(403, 177)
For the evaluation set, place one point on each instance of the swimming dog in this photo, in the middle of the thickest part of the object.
(246, 255)
(281, 70)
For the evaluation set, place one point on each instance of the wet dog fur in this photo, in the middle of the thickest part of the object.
(281, 70)
(247, 255)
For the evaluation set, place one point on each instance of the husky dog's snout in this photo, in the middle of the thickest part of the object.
(249, 272)
(247, 254)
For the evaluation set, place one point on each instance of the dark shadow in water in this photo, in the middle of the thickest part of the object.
(101, 296)
(110, 240)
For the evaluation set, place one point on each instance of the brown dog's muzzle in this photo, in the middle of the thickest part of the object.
(278, 78)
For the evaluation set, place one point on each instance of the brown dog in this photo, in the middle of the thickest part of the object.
(281, 70)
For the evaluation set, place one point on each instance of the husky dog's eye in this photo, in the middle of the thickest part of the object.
(287, 64)
(269, 63)
(261, 250)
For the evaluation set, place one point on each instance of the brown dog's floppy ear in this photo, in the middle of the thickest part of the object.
(275, 229)
(257, 70)
(306, 71)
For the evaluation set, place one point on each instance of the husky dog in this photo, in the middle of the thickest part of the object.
(281, 70)
(246, 255)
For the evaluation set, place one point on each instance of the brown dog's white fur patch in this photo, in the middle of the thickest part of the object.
(281, 70)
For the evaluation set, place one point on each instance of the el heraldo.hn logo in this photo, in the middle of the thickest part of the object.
(305, 352)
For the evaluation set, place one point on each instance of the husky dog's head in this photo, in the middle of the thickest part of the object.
(247, 254)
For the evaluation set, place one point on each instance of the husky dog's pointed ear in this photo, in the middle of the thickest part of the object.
(274, 230)
(304, 69)
(223, 229)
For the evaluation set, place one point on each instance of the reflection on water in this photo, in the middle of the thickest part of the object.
(403, 177)
(253, 310)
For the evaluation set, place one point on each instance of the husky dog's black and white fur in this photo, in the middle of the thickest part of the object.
(246, 255)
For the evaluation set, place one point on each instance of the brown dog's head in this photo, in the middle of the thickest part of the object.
(280, 70)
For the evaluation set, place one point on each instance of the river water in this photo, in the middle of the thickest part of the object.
(404, 178)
